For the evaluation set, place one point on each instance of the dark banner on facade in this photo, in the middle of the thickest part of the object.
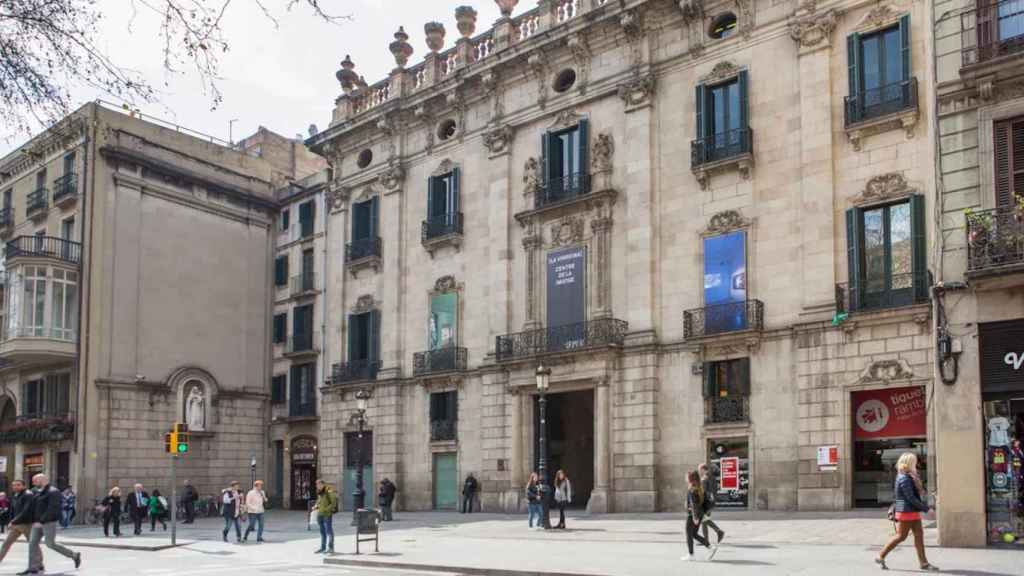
(725, 282)
(567, 298)
(889, 413)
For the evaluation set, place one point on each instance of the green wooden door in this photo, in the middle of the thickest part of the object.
(446, 482)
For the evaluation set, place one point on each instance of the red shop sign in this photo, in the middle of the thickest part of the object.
(889, 413)
(730, 477)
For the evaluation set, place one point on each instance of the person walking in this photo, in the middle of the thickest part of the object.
(386, 497)
(157, 511)
(533, 495)
(45, 514)
(710, 487)
(326, 506)
(256, 506)
(5, 511)
(189, 496)
(231, 509)
(112, 512)
(67, 507)
(908, 508)
(563, 496)
(137, 504)
(694, 516)
(21, 516)
(469, 488)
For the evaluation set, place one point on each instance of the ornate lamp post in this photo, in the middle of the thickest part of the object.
(359, 496)
(543, 377)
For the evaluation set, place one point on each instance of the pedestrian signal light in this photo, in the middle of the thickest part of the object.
(181, 439)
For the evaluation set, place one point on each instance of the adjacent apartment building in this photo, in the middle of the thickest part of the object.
(710, 219)
(980, 304)
(137, 293)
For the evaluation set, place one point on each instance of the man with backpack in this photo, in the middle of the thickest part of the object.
(710, 488)
(326, 506)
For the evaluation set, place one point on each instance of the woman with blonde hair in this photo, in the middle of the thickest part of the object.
(908, 507)
(112, 511)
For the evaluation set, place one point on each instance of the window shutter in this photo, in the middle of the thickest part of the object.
(1017, 159)
(281, 271)
(357, 210)
(306, 218)
(699, 110)
(280, 326)
(853, 234)
(905, 44)
(853, 63)
(431, 185)
(454, 191)
(298, 323)
(710, 380)
(545, 158)
(743, 376)
(24, 396)
(452, 409)
(284, 219)
(744, 115)
(583, 151)
(1003, 143)
(373, 216)
(433, 407)
(374, 335)
(352, 320)
(919, 255)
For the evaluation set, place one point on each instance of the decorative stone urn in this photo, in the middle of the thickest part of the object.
(435, 35)
(465, 17)
(346, 75)
(506, 6)
(400, 48)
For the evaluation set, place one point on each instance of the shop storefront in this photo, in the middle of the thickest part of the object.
(886, 423)
(1002, 384)
(730, 460)
(303, 479)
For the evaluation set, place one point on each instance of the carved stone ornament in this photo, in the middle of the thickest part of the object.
(391, 178)
(724, 70)
(568, 230)
(497, 139)
(336, 197)
(581, 56)
(880, 15)
(368, 191)
(725, 222)
(445, 284)
(602, 152)
(887, 371)
(813, 29)
(637, 92)
(364, 303)
(692, 10)
(566, 119)
(443, 168)
(538, 66)
(881, 188)
(531, 176)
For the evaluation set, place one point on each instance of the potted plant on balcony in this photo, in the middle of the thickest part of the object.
(979, 226)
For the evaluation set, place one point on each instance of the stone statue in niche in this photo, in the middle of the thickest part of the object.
(531, 176)
(195, 408)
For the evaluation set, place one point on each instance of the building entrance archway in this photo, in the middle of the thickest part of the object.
(570, 419)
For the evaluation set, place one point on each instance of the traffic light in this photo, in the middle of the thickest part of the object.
(181, 438)
(169, 442)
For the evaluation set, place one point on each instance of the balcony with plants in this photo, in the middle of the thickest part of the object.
(995, 240)
(39, 427)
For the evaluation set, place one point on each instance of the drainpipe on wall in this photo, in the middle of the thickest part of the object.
(324, 281)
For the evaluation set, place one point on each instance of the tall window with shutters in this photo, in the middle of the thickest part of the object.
(364, 345)
(365, 240)
(281, 271)
(307, 213)
(277, 388)
(727, 391)
(1009, 163)
(443, 215)
(995, 237)
(879, 70)
(886, 255)
(722, 130)
(566, 164)
(444, 416)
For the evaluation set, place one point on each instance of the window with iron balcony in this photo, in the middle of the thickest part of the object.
(727, 391)
(444, 218)
(722, 128)
(444, 416)
(879, 75)
(991, 32)
(995, 237)
(565, 163)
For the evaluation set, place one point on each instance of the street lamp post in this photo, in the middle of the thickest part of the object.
(543, 376)
(252, 471)
(359, 496)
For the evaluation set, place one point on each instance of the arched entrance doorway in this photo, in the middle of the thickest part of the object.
(303, 477)
(8, 418)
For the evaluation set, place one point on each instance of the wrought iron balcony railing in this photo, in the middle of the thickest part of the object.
(727, 409)
(723, 146)
(362, 248)
(995, 239)
(36, 427)
(568, 187)
(354, 371)
(991, 30)
(443, 430)
(38, 201)
(65, 187)
(882, 101)
(567, 338)
(448, 359)
(302, 409)
(303, 343)
(723, 318)
(303, 283)
(46, 247)
(442, 225)
(6, 217)
(902, 290)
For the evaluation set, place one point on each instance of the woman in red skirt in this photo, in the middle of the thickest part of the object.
(909, 509)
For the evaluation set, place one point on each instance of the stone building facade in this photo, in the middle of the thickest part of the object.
(979, 299)
(137, 294)
(708, 218)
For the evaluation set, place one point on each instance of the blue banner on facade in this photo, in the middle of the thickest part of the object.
(567, 298)
(725, 282)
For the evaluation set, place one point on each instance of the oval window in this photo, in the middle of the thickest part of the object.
(565, 79)
(364, 159)
(446, 129)
(723, 26)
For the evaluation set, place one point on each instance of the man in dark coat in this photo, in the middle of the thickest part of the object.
(386, 497)
(138, 504)
(21, 516)
(469, 488)
(189, 497)
(46, 513)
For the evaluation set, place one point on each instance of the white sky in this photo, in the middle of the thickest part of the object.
(280, 78)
